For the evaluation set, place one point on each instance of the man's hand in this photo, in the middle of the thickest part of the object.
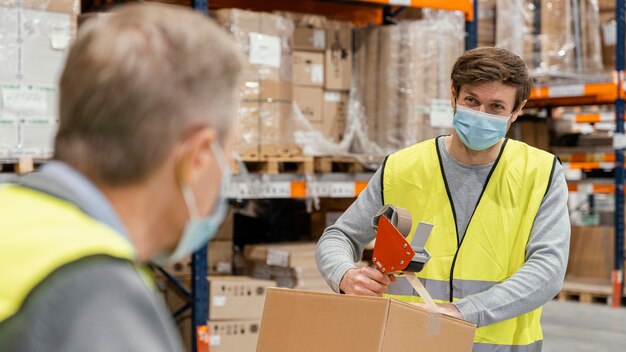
(444, 308)
(365, 282)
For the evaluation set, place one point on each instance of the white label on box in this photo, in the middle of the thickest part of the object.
(264, 50)
(400, 2)
(19, 100)
(609, 33)
(319, 38)
(332, 97)
(317, 73)
(619, 141)
(215, 340)
(573, 90)
(59, 40)
(219, 301)
(277, 257)
(224, 267)
(441, 113)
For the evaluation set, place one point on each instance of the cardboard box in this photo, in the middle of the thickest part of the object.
(234, 335)
(335, 113)
(309, 38)
(265, 128)
(287, 255)
(219, 262)
(309, 101)
(236, 297)
(338, 56)
(310, 321)
(227, 228)
(308, 68)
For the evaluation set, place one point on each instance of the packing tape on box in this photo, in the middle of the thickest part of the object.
(434, 319)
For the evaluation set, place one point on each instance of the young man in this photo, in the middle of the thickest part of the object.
(147, 100)
(499, 207)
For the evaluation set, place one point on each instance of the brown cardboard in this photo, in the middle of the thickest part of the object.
(591, 253)
(338, 56)
(233, 335)
(265, 128)
(335, 113)
(309, 38)
(236, 297)
(309, 101)
(311, 321)
(288, 255)
(308, 68)
(254, 88)
(220, 258)
(227, 228)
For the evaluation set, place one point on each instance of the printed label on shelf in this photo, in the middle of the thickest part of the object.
(219, 301)
(573, 90)
(619, 141)
(322, 189)
(332, 97)
(277, 257)
(342, 190)
(441, 113)
(319, 38)
(264, 50)
(317, 73)
(277, 190)
(22, 100)
(400, 2)
(215, 340)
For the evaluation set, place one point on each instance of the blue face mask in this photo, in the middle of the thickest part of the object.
(198, 230)
(479, 130)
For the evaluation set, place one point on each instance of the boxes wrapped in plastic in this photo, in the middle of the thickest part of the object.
(34, 39)
(264, 118)
(558, 40)
(400, 70)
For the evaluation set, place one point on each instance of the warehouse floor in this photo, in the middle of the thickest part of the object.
(577, 327)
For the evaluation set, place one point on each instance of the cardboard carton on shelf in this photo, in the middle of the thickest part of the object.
(338, 56)
(309, 38)
(266, 128)
(220, 261)
(308, 68)
(237, 297)
(233, 335)
(309, 100)
(312, 321)
(335, 114)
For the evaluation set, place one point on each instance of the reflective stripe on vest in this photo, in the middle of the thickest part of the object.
(494, 245)
(485, 347)
(40, 234)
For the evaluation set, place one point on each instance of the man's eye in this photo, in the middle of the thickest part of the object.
(498, 107)
(470, 100)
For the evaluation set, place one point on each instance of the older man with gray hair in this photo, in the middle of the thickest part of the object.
(147, 101)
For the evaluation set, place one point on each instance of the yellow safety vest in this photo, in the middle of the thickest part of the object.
(41, 233)
(494, 245)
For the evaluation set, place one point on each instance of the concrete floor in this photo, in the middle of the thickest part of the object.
(578, 327)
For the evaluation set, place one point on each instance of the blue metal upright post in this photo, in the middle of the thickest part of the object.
(199, 292)
(618, 267)
(471, 29)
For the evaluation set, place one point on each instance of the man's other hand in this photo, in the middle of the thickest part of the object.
(365, 282)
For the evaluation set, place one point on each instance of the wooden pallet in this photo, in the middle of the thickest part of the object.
(328, 164)
(19, 166)
(276, 165)
(586, 291)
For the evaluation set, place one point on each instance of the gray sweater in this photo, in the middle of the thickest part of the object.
(539, 279)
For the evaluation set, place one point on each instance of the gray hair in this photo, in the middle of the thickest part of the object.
(135, 82)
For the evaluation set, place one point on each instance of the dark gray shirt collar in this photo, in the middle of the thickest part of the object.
(61, 180)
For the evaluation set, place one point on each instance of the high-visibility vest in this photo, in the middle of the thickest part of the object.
(40, 234)
(494, 245)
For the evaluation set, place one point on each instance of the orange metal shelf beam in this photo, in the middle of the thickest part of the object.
(593, 93)
(452, 5)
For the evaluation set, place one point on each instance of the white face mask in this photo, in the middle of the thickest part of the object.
(198, 230)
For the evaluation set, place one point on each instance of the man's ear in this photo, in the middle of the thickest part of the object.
(452, 97)
(518, 111)
(196, 154)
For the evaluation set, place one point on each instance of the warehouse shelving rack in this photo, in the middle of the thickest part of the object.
(613, 93)
(289, 186)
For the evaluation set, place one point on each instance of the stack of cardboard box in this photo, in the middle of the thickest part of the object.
(291, 265)
(34, 39)
(264, 118)
(400, 70)
(235, 310)
(322, 71)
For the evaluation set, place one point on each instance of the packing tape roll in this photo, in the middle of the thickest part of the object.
(434, 318)
(404, 221)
